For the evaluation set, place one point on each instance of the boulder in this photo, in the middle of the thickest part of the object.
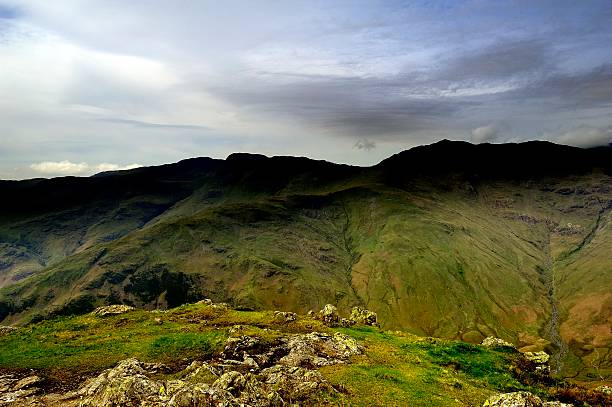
(539, 358)
(112, 310)
(329, 315)
(318, 349)
(281, 316)
(493, 342)
(362, 316)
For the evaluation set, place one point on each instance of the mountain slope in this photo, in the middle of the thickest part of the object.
(450, 240)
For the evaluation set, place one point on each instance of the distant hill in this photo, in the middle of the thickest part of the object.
(452, 240)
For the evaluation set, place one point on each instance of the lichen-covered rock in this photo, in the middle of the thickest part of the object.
(281, 316)
(346, 323)
(362, 316)
(539, 358)
(235, 347)
(112, 310)
(607, 390)
(6, 329)
(126, 384)
(27, 383)
(294, 383)
(493, 342)
(319, 349)
(201, 394)
(517, 399)
(329, 315)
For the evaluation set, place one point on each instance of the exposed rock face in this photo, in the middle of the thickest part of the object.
(251, 372)
(112, 310)
(310, 350)
(521, 399)
(319, 349)
(362, 316)
(492, 342)
(13, 390)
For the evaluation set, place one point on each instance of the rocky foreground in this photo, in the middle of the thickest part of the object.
(271, 368)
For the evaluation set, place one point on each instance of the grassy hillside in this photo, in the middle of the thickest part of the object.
(450, 240)
(394, 368)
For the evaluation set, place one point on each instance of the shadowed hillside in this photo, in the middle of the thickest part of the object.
(451, 240)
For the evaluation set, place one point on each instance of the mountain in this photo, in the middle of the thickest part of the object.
(451, 240)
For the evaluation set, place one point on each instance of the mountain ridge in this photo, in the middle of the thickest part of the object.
(452, 239)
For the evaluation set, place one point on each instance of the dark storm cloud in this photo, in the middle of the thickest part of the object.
(393, 106)
(355, 107)
(587, 89)
(502, 60)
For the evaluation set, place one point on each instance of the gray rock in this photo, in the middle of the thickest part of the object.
(362, 316)
(493, 342)
(329, 315)
(281, 316)
(27, 382)
(539, 358)
(7, 329)
(517, 399)
(112, 310)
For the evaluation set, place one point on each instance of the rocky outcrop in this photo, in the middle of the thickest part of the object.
(359, 316)
(13, 389)
(539, 361)
(539, 358)
(210, 303)
(310, 350)
(520, 399)
(112, 310)
(6, 329)
(282, 316)
(329, 315)
(362, 316)
(493, 342)
(250, 371)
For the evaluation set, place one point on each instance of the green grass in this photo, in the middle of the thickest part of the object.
(396, 369)
(402, 369)
(91, 343)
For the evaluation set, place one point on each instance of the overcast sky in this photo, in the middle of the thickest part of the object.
(88, 86)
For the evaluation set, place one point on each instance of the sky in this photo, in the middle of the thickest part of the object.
(89, 86)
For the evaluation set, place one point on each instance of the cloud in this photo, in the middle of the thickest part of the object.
(69, 168)
(115, 81)
(487, 134)
(503, 60)
(584, 136)
(147, 125)
(365, 144)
